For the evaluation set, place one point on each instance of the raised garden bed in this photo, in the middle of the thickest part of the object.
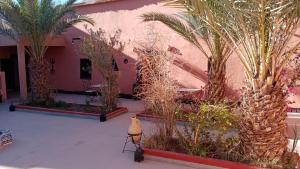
(75, 110)
(197, 160)
(149, 117)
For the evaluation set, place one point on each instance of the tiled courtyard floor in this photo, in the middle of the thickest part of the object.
(60, 142)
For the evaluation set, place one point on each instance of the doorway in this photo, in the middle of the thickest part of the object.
(10, 67)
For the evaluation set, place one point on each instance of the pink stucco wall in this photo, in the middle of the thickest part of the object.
(125, 15)
(189, 70)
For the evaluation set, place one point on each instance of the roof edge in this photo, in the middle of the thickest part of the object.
(93, 2)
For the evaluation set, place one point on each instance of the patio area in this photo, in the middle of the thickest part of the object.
(61, 142)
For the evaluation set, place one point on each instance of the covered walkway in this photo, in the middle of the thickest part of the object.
(14, 61)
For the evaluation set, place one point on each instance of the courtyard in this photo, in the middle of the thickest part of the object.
(44, 141)
(47, 141)
(191, 83)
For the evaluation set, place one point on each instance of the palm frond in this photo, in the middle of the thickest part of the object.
(174, 24)
(6, 30)
(64, 24)
(36, 20)
(260, 33)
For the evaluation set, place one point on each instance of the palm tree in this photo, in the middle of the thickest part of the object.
(193, 29)
(260, 32)
(37, 21)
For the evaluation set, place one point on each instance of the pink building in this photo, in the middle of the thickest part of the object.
(67, 62)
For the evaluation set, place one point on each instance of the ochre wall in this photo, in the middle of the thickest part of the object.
(125, 15)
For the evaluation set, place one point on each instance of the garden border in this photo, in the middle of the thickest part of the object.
(197, 160)
(103, 118)
(147, 117)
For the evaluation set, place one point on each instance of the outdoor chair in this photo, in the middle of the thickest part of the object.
(90, 92)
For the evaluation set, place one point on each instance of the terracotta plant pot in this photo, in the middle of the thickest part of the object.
(135, 130)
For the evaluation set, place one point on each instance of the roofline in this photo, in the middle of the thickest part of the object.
(81, 4)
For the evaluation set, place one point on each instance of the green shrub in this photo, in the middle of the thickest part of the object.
(205, 133)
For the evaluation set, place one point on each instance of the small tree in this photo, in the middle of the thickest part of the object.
(158, 89)
(101, 49)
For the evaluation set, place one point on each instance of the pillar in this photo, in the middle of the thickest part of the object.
(3, 86)
(22, 70)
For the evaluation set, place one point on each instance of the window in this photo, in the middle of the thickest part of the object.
(115, 65)
(75, 40)
(85, 69)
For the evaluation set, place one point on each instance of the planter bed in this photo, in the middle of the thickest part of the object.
(197, 160)
(60, 111)
(149, 117)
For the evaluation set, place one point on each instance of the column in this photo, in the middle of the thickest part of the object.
(22, 70)
(3, 86)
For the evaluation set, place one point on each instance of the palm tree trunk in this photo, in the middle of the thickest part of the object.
(39, 80)
(263, 124)
(216, 85)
